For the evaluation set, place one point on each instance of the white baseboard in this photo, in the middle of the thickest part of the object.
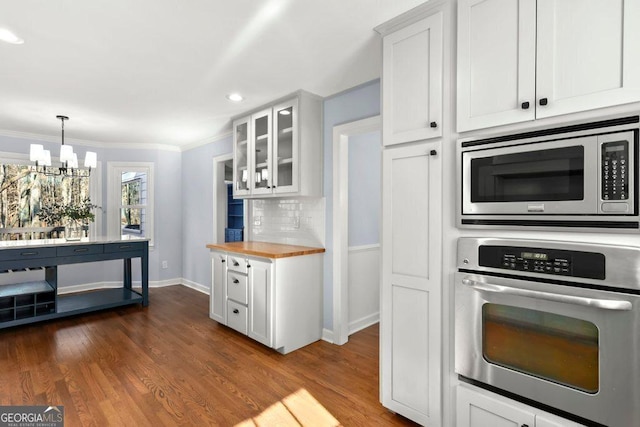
(364, 322)
(196, 286)
(163, 283)
(327, 335)
(136, 284)
(87, 287)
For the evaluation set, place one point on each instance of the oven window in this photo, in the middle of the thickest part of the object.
(542, 175)
(550, 346)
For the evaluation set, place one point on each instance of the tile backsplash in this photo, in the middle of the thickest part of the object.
(289, 221)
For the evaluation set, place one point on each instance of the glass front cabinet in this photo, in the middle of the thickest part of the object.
(278, 150)
(241, 157)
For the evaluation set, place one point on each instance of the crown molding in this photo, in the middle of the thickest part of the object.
(87, 143)
(411, 16)
(206, 141)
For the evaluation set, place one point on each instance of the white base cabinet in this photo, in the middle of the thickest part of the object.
(275, 301)
(476, 407)
(217, 297)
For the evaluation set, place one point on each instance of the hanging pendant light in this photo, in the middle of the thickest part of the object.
(68, 159)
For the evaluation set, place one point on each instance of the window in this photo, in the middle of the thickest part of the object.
(27, 198)
(131, 199)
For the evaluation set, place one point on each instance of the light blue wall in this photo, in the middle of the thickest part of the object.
(168, 211)
(184, 199)
(355, 104)
(197, 207)
(364, 189)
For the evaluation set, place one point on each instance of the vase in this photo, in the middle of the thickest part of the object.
(74, 230)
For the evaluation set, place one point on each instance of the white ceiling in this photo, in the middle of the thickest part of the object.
(158, 71)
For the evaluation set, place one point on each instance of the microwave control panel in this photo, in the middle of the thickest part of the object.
(558, 262)
(615, 181)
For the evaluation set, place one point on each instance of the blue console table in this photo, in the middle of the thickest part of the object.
(29, 302)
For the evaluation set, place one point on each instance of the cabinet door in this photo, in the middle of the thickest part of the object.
(260, 321)
(588, 55)
(217, 303)
(412, 82)
(261, 152)
(286, 159)
(241, 168)
(496, 62)
(474, 409)
(411, 282)
(549, 420)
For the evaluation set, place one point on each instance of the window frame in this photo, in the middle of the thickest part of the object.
(95, 185)
(114, 196)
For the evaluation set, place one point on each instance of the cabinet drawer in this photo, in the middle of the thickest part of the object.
(26, 253)
(79, 250)
(237, 287)
(237, 263)
(124, 247)
(237, 316)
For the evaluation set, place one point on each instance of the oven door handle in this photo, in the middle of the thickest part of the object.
(605, 304)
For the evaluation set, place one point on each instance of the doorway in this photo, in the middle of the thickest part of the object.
(356, 245)
(229, 214)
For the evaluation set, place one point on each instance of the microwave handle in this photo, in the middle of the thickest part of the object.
(569, 299)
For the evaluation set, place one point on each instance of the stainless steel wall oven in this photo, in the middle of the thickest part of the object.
(583, 175)
(554, 324)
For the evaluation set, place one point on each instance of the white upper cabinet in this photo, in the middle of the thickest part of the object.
(412, 82)
(261, 150)
(496, 62)
(278, 150)
(285, 148)
(588, 55)
(241, 167)
(526, 59)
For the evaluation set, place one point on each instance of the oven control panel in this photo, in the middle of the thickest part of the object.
(615, 181)
(536, 262)
(558, 262)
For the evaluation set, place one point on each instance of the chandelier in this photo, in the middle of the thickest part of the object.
(68, 159)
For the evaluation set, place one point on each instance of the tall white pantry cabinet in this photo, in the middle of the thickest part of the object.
(413, 120)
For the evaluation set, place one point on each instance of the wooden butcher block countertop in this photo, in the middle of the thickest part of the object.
(264, 249)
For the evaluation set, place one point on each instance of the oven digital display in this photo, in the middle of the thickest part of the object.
(534, 255)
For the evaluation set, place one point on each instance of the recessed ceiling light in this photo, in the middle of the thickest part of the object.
(285, 112)
(9, 37)
(235, 97)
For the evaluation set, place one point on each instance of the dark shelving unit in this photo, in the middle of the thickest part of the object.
(235, 217)
(35, 301)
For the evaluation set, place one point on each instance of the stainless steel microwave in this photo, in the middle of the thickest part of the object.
(578, 176)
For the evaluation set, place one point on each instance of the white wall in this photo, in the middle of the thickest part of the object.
(364, 286)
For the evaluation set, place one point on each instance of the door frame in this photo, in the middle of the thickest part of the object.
(340, 214)
(220, 200)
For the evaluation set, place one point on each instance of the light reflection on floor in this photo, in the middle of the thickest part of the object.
(298, 409)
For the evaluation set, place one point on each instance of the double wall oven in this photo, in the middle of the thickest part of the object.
(554, 324)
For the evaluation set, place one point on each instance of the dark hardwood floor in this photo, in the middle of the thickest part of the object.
(169, 364)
